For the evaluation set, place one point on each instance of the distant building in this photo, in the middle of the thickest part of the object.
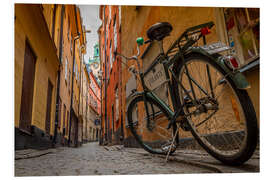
(94, 63)
(91, 106)
(109, 40)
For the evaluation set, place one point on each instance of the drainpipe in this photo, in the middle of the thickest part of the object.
(72, 77)
(58, 74)
(80, 90)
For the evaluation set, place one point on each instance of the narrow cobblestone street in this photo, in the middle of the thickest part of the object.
(92, 159)
(92, 76)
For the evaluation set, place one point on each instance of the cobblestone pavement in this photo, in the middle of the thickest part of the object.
(92, 159)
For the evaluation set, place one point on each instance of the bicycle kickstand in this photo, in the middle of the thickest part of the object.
(178, 125)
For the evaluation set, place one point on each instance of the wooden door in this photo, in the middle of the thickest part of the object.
(27, 88)
(49, 103)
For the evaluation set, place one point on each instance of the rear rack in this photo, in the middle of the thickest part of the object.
(188, 38)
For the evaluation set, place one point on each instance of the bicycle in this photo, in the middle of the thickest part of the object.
(207, 93)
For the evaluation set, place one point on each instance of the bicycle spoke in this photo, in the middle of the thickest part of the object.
(210, 80)
(200, 123)
(197, 84)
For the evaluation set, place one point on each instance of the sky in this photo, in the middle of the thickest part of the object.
(91, 21)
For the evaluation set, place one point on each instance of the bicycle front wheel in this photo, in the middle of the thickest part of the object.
(221, 117)
(151, 133)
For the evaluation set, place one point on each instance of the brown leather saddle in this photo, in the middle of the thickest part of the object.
(159, 31)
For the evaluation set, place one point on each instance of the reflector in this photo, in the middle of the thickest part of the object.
(231, 62)
(234, 62)
(205, 31)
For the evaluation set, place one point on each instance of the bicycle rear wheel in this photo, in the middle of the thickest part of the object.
(152, 133)
(221, 117)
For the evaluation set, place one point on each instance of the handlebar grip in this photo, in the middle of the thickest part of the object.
(148, 41)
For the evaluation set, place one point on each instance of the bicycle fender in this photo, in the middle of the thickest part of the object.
(238, 78)
(131, 97)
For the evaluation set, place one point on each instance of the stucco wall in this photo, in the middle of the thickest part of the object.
(29, 24)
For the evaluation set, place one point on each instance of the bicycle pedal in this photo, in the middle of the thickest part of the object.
(168, 147)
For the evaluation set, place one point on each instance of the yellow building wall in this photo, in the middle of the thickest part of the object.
(28, 25)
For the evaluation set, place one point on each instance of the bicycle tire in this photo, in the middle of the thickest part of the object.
(149, 140)
(206, 138)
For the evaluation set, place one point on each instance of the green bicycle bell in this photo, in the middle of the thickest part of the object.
(140, 41)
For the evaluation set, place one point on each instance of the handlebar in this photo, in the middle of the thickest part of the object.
(135, 57)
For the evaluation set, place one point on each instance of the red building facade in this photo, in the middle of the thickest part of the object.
(94, 94)
(109, 37)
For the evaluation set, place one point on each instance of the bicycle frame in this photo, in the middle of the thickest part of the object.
(175, 112)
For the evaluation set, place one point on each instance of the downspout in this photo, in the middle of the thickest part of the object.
(72, 77)
(58, 79)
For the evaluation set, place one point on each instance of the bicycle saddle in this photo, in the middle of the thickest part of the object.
(159, 31)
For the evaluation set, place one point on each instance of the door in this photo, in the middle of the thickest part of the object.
(49, 103)
(76, 132)
(27, 88)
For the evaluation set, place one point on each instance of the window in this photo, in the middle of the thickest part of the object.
(114, 20)
(110, 12)
(64, 117)
(137, 8)
(66, 68)
(77, 72)
(242, 30)
(116, 104)
(67, 123)
(119, 13)
(115, 34)
(68, 28)
(111, 58)
(59, 113)
(69, 79)
(71, 44)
